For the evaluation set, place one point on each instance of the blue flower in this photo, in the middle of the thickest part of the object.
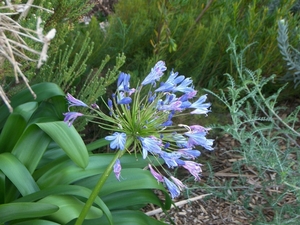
(178, 183)
(167, 123)
(198, 128)
(184, 86)
(170, 158)
(125, 100)
(171, 83)
(174, 190)
(117, 169)
(200, 107)
(198, 138)
(110, 106)
(122, 99)
(189, 153)
(117, 139)
(185, 105)
(180, 140)
(156, 175)
(151, 97)
(150, 144)
(123, 82)
(194, 168)
(70, 117)
(156, 72)
(74, 101)
(188, 95)
(172, 106)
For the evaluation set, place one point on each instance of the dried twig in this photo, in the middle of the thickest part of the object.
(12, 43)
(177, 204)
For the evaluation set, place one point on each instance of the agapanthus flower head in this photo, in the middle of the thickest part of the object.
(146, 123)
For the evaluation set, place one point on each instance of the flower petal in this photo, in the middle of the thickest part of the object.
(117, 139)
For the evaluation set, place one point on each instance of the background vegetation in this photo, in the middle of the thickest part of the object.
(193, 37)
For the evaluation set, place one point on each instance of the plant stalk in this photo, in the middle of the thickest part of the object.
(97, 188)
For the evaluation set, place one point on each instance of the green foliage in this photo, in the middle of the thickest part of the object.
(192, 36)
(47, 172)
(73, 76)
(66, 15)
(262, 133)
(68, 69)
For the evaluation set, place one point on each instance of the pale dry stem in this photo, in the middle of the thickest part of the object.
(12, 43)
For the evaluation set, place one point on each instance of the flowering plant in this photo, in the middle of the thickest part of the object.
(145, 123)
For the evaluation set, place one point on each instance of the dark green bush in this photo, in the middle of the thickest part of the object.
(193, 36)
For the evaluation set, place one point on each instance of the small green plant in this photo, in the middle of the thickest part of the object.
(268, 141)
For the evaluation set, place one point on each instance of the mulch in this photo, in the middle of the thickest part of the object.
(233, 206)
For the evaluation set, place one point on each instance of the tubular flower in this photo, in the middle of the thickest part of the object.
(118, 140)
(75, 102)
(146, 123)
(155, 174)
(200, 107)
(173, 188)
(155, 73)
(70, 117)
(178, 183)
(117, 169)
(194, 168)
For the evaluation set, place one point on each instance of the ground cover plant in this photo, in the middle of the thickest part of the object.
(267, 141)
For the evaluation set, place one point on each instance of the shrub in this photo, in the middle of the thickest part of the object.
(192, 36)
(268, 142)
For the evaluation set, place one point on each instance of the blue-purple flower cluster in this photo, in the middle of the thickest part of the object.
(148, 122)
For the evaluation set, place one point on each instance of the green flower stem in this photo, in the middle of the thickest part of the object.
(97, 188)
